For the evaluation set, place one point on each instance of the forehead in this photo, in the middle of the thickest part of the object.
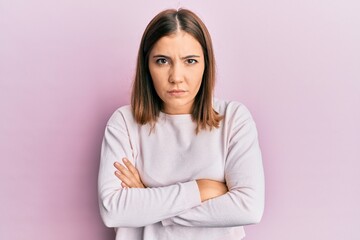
(180, 42)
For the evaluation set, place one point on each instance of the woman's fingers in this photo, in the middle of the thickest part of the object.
(125, 181)
(125, 175)
(135, 173)
(131, 168)
(211, 189)
(129, 174)
(123, 184)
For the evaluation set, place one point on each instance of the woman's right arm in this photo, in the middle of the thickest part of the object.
(136, 207)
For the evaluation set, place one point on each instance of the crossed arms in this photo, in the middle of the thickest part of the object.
(196, 203)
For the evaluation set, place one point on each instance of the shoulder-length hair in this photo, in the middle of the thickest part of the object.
(146, 104)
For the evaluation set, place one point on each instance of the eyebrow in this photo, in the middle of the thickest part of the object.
(186, 57)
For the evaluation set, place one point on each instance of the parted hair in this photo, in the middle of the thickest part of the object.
(145, 103)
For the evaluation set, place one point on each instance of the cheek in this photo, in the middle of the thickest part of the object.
(199, 76)
(154, 76)
(158, 75)
(157, 81)
(152, 72)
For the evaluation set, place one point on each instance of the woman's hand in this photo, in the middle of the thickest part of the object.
(128, 175)
(211, 189)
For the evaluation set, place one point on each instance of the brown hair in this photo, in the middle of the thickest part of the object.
(146, 104)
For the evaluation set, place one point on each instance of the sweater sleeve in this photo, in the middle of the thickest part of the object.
(243, 204)
(136, 207)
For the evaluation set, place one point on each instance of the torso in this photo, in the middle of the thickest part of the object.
(174, 153)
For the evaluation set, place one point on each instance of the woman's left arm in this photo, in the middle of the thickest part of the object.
(243, 204)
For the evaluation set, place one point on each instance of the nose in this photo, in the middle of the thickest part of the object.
(176, 74)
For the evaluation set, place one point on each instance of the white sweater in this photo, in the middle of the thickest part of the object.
(169, 161)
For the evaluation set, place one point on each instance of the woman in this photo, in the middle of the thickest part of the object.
(187, 166)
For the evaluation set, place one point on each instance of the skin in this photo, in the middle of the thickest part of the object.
(176, 65)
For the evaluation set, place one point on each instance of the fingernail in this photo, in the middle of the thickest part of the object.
(125, 160)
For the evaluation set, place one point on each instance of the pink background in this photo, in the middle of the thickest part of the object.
(65, 66)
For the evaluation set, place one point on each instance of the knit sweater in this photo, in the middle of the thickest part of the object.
(170, 159)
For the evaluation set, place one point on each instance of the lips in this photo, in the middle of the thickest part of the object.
(177, 92)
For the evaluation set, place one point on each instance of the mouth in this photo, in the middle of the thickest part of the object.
(176, 92)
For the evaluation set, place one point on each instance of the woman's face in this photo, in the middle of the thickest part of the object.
(176, 65)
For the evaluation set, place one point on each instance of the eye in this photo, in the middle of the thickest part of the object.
(161, 61)
(191, 61)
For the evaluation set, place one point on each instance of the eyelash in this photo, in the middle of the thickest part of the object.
(192, 60)
(162, 61)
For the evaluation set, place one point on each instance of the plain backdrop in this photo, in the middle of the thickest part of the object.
(65, 66)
